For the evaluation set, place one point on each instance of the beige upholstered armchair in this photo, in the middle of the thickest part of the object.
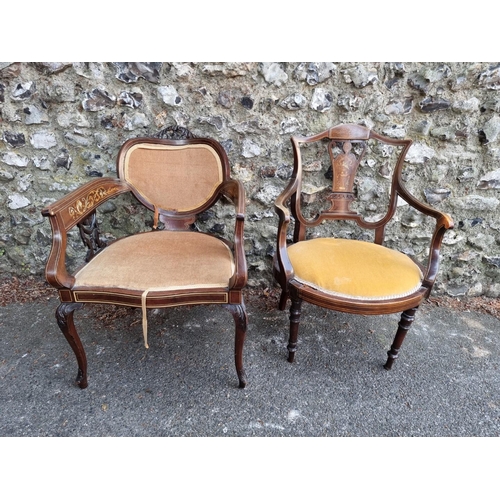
(352, 266)
(176, 180)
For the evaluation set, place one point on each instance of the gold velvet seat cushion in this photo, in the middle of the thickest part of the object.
(354, 269)
(160, 260)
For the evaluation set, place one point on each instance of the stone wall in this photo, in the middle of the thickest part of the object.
(63, 123)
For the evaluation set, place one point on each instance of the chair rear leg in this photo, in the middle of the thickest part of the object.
(283, 300)
(284, 289)
(295, 311)
(404, 325)
(241, 321)
(64, 316)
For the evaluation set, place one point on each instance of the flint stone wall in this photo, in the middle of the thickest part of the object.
(63, 123)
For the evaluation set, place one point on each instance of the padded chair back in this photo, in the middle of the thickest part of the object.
(180, 177)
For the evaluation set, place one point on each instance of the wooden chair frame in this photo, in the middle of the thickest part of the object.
(288, 208)
(78, 208)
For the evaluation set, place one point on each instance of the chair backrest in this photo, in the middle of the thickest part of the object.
(327, 168)
(174, 177)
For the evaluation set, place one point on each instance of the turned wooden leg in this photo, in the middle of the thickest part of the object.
(295, 310)
(404, 324)
(240, 320)
(64, 316)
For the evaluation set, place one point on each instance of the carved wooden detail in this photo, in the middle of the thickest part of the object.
(344, 168)
(295, 313)
(241, 320)
(78, 208)
(84, 205)
(177, 223)
(175, 132)
(347, 145)
(91, 237)
(407, 318)
(64, 316)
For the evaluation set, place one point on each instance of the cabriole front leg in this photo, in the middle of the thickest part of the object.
(404, 325)
(64, 316)
(241, 321)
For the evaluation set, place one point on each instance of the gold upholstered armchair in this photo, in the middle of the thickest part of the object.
(177, 179)
(332, 248)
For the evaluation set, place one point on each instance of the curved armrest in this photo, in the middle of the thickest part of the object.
(70, 210)
(424, 208)
(285, 266)
(233, 189)
(443, 223)
(280, 203)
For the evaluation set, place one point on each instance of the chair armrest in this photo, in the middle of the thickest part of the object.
(285, 266)
(443, 223)
(67, 212)
(445, 219)
(233, 189)
(280, 203)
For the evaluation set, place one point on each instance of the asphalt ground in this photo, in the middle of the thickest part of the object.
(445, 385)
(446, 381)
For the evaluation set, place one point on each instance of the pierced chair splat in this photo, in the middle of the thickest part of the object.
(177, 179)
(347, 273)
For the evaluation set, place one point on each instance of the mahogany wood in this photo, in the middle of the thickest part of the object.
(289, 208)
(240, 320)
(64, 316)
(79, 208)
(404, 324)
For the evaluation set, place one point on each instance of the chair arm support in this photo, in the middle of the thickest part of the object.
(280, 203)
(67, 212)
(233, 189)
(443, 223)
(285, 266)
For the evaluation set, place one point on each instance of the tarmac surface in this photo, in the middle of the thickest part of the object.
(446, 381)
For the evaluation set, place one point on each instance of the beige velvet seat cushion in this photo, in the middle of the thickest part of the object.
(354, 269)
(160, 260)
